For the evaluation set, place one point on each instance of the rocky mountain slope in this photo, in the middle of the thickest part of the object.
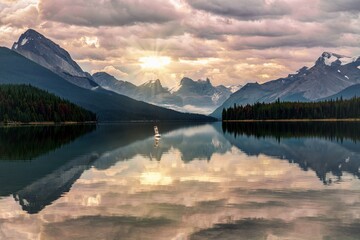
(50, 55)
(109, 106)
(189, 96)
(330, 74)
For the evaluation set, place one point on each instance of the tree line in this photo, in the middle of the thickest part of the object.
(25, 103)
(330, 130)
(330, 109)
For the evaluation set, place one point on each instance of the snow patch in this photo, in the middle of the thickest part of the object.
(347, 60)
(346, 77)
(26, 203)
(16, 46)
(94, 88)
(234, 88)
(152, 81)
(329, 59)
(215, 97)
(358, 67)
(24, 41)
(339, 71)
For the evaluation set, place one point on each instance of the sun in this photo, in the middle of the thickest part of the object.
(154, 62)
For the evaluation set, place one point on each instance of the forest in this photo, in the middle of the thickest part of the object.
(330, 109)
(25, 103)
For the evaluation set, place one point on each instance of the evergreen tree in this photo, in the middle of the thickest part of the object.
(24, 103)
(337, 109)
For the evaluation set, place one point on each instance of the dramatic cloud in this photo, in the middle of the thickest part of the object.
(255, 9)
(231, 42)
(108, 12)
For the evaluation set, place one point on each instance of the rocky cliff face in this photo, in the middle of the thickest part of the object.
(48, 54)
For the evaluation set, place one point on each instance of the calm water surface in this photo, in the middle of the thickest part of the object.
(210, 181)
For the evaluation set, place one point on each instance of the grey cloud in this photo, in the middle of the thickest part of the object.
(108, 12)
(340, 5)
(217, 29)
(310, 35)
(243, 9)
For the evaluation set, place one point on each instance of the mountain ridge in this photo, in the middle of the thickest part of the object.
(330, 74)
(40, 49)
(189, 95)
(109, 106)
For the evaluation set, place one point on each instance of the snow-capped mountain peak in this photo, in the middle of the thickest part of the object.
(50, 55)
(234, 88)
(334, 59)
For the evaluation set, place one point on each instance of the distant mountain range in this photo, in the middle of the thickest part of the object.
(332, 76)
(189, 96)
(45, 65)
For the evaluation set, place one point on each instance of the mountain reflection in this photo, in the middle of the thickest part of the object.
(196, 182)
(324, 147)
(328, 149)
(44, 146)
(56, 163)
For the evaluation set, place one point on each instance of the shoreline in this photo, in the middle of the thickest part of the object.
(12, 124)
(298, 120)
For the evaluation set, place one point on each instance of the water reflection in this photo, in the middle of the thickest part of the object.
(26, 143)
(324, 147)
(329, 130)
(196, 182)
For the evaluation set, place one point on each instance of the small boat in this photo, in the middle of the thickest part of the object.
(157, 134)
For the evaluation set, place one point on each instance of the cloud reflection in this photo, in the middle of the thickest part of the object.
(223, 191)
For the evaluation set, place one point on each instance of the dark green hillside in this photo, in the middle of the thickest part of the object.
(332, 109)
(24, 103)
(108, 106)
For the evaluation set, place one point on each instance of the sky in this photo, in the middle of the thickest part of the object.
(231, 42)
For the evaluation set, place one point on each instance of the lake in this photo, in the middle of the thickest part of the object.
(203, 181)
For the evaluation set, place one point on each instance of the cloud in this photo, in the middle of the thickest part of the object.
(108, 12)
(244, 10)
(245, 229)
(340, 5)
(241, 35)
(117, 73)
(19, 14)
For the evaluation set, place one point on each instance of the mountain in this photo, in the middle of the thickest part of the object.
(189, 96)
(201, 94)
(109, 106)
(48, 54)
(151, 91)
(330, 74)
(234, 88)
(109, 82)
(24, 103)
(347, 93)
